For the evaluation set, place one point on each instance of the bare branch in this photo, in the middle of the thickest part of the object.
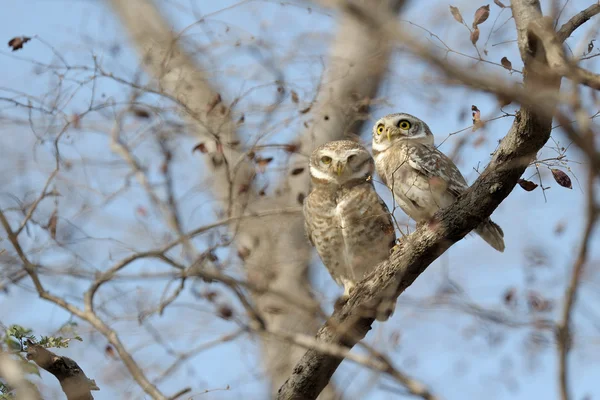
(564, 333)
(73, 381)
(576, 21)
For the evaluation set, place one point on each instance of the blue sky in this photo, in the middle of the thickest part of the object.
(456, 354)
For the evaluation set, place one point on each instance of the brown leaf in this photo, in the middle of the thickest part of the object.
(17, 43)
(241, 120)
(243, 253)
(140, 112)
(52, 224)
(76, 121)
(475, 35)
(201, 147)
(499, 4)
(291, 148)
(213, 102)
(305, 110)
(295, 97)
(225, 312)
(561, 178)
(527, 185)
(263, 190)
(456, 14)
(510, 296)
(506, 63)
(263, 162)
(141, 211)
(477, 122)
(481, 15)
(244, 187)
(297, 171)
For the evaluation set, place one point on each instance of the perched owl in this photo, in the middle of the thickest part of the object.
(422, 179)
(345, 219)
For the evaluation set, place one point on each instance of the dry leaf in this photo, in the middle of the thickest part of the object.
(17, 43)
(475, 35)
(201, 147)
(527, 185)
(141, 211)
(76, 121)
(481, 15)
(510, 296)
(499, 4)
(213, 103)
(140, 112)
(456, 14)
(241, 120)
(294, 97)
(506, 63)
(477, 122)
(52, 224)
(561, 178)
(291, 148)
(225, 312)
(263, 161)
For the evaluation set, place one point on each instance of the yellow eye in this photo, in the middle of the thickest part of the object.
(326, 160)
(404, 125)
(380, 129)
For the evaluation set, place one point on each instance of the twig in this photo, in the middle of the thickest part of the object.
(564, 334)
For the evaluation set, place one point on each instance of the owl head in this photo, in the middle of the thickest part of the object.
(339, 162)
(394, 128)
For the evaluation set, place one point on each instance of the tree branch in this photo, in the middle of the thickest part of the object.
(576, 21)
(529, 133)
(73, 381)
(564, 335)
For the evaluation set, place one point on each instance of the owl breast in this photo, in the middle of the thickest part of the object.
(351, 230)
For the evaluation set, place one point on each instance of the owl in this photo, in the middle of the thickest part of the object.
(345, 219)
(421, 178)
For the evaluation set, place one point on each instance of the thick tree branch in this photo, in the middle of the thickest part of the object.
(576, 21)
(529, 133)
(73, 381)
(564, 335)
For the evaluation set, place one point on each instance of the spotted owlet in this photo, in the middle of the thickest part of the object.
(345, 219)
(422, 179)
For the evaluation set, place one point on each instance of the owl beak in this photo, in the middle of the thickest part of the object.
(340, 169)
(389, 135)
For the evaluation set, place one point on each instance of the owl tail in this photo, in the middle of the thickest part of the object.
(492, 234)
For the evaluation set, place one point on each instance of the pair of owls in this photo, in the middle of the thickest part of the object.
(347, 221)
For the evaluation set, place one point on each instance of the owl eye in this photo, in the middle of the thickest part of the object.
(326, 160)
(404, 125)
(380, 129)
(351, 158)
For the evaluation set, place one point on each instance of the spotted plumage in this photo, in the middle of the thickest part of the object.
(346, 220)
(422, 179)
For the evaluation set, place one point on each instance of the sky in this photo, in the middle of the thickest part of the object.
(457, 355)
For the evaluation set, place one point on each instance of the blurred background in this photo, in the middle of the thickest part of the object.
(476, 324)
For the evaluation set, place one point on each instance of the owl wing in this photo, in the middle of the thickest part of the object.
(307, 219)
(367, 228)
(432, 163)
